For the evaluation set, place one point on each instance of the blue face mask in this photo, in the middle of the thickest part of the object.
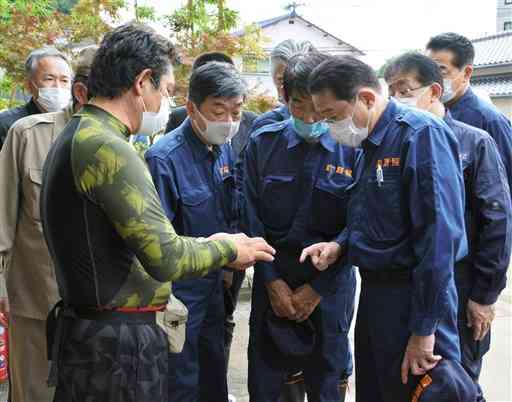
(311, 131)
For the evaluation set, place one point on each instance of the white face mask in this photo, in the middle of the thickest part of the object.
(218, 132)
(155, 123)
(448, 92)
(347, 133)
(53, 99)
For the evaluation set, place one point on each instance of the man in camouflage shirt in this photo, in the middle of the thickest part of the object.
(114, 250)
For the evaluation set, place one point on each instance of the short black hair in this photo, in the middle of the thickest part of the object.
(123, 54)
(219, 80)
(204, 58)
(425, 70)
(461, 47)
(298, 69)
(344, 76)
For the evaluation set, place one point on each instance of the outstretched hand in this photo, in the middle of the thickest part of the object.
(249, 250)
(322, 254)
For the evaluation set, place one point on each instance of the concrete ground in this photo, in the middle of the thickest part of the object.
(496, 378)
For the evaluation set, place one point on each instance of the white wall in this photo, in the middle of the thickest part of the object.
(301, 31)
(298, 30)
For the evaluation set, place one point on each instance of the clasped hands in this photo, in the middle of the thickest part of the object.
(294, 305)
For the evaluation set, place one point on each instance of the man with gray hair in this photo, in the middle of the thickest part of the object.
(31, 286)
(192, 169)
(279, 58)
(48, 79)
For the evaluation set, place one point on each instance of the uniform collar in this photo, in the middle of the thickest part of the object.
(464, 99)
(284, 111)
(448, 119)
(294, 139)
(379, 131)
(108, 119)
(200, 150)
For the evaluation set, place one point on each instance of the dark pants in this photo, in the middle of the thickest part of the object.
(330, 361)
(382, 333)
(113, 361)
(230, 302)
(198, 373)
(472, 351)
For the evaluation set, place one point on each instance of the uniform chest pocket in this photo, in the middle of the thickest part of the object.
(384, 217)
(277, 201)
(32, 191)
(329, 206)
(195, 197)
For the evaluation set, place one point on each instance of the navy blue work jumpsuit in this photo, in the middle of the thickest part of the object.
(295, 195)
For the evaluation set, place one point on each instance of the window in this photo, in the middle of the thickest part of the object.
(507, 26)
(508, 2)
(253, 65)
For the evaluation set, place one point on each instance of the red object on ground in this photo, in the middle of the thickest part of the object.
(4, 349)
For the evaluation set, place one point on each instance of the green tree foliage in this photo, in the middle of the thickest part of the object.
(30, 24)
(64, 6)
(205, 26)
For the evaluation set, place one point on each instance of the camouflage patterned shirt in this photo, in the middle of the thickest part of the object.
(110, 240)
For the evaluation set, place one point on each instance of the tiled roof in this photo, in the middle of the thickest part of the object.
(494, 86)
(493, 50)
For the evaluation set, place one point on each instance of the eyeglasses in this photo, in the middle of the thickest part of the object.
(404, 92)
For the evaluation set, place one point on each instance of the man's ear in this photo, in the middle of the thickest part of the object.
(140, 81)
(189, 106)
(367, 96)
(437, 91)
(468, 72)
(31, 88)
(80, 93)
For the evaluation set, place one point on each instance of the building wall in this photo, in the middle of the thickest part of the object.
(262, 82)
(492, 71)
(505, 105)
(300, 30)
(503, 14)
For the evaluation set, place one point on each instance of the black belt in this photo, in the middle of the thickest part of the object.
(115, 316)
(386, 276)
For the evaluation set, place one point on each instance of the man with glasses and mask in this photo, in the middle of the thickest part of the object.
(455, 55)
(480, 277)
(405, 229)
(49, 78)
(296, 188)
(114, 250)
(24, 255)
(192, 169)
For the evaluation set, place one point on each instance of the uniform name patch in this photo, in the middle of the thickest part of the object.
(338, 170)
(388, 162)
